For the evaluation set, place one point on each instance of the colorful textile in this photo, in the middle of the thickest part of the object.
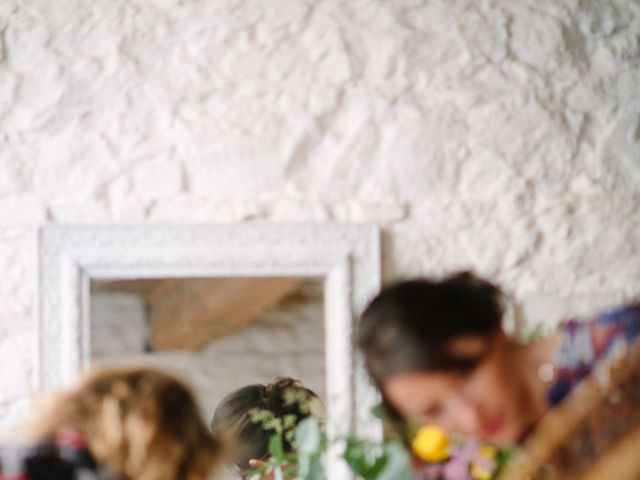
(64, 458)
(593, 430)
(585, 342)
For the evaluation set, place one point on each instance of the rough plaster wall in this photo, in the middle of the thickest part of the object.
(287, 340)
(500, 135)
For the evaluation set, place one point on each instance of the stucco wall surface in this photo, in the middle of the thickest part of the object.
(499, 135)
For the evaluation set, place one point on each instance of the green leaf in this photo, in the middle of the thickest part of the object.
(355, 456)
(276, 449)
(304, 466)
(380, 412)
(398, 465)
(308, 436)
(366, 459)
(505, 455)
(316, 472)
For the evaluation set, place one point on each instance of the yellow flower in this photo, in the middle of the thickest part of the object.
(480, 473)
(488, 451)
(431, 444)
(483, 468)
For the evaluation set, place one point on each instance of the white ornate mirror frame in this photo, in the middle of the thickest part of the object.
(346, 256)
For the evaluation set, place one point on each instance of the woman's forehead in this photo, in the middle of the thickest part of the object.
(417, 389)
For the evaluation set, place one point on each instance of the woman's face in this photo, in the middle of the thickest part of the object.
(488, 402)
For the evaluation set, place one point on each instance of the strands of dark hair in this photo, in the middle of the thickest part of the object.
(250, 439)
(409, 326)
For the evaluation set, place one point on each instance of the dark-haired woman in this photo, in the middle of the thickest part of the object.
(250, 440)
(438, 353)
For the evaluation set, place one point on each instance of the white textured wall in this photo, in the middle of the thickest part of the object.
(501, 135)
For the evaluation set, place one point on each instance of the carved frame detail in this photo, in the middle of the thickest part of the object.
(346, 256)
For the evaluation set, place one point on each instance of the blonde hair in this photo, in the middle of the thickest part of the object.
(140, 423)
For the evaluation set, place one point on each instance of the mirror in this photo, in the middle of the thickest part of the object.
(82, 271)
(218, 334)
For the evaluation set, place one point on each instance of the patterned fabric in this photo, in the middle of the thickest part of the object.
(598, 405)
(586, 342)
(65, 458)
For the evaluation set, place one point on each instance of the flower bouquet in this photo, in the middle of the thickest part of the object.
(436, 454)
(440, 456)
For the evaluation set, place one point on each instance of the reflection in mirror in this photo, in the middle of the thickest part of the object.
(218, 334)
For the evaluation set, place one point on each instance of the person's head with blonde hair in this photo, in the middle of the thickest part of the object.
(140, 423)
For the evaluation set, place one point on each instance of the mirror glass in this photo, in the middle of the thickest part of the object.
(218, 334)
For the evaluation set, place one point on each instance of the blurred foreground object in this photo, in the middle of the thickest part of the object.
(129, 423)
(594, 432)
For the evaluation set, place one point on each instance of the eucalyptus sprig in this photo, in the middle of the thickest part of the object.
(367, 459)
